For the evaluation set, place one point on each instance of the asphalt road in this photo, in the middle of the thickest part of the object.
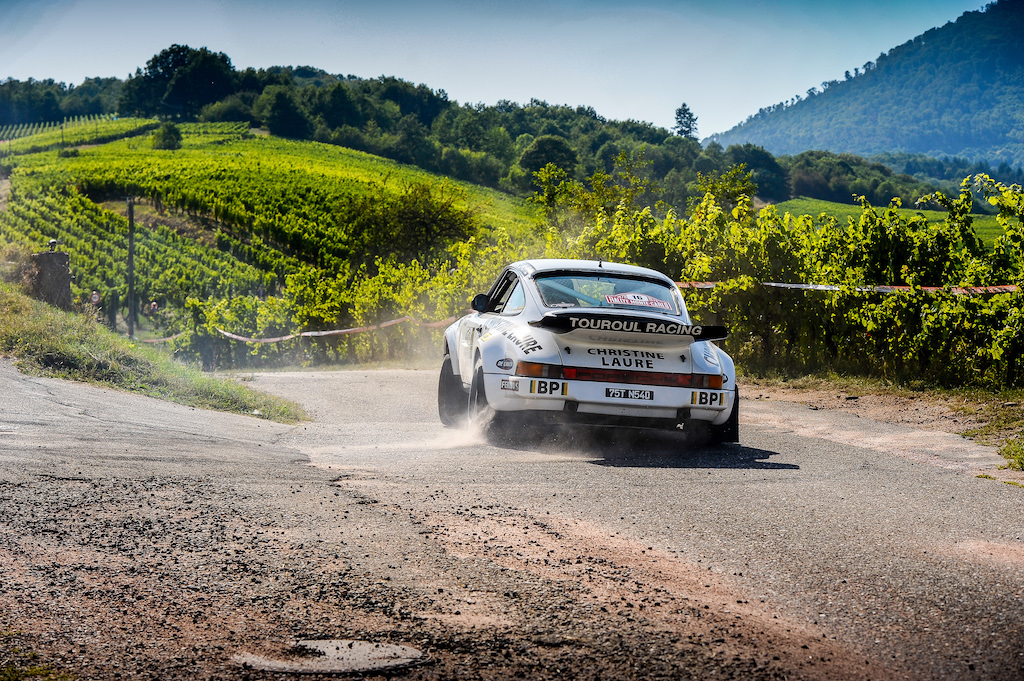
(824, 546)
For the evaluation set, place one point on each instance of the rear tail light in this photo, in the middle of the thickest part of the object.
(657, 378)
(536, 370)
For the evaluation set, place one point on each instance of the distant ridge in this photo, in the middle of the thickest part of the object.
(957, 91)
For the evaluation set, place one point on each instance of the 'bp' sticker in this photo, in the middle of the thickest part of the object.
(705, 398)
(549, 387)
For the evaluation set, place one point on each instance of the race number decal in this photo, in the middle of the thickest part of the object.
(706, 398)
(641, 299)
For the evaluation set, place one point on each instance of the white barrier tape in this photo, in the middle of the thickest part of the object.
(955, 290)
(336, 332)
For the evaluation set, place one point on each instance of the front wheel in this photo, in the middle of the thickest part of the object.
(451, 398)
(730, 430)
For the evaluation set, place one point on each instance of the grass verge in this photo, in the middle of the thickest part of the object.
(50, 342)
(1013, 451)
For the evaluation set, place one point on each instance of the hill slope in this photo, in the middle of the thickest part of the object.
(957, 90)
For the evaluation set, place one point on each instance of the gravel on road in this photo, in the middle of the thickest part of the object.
(147, 540)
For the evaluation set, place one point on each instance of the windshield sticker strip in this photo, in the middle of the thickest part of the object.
(640, 299)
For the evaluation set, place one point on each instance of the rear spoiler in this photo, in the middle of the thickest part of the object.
(565, 322)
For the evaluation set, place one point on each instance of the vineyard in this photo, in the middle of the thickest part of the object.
(265, 237)
(30, 138)
(252, 233)
(986, 226)
(12, 132)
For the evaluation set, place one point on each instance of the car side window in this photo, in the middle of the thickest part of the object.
(504, 292)
(516, 300)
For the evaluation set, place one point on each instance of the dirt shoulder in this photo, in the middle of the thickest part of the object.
(986, 418)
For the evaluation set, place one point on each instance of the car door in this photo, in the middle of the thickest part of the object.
(474, 326)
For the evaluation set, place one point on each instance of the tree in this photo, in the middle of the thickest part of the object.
(686, 122)
(729, 187)
(167, 136)
(207, 78)
(334, 105)
(771, 178)
(143, 93)
(279, 110)
(178, 82)
(231, 108)
(548, 149)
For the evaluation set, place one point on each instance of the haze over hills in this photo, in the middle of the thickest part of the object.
(955, 91)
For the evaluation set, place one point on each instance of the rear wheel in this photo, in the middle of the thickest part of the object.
(481, 415)
(730, 430)
(478, 410)
(451, 398)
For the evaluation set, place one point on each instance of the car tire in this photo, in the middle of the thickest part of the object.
(481, 415)
(477, 408)
(451, 397)
(730, 430)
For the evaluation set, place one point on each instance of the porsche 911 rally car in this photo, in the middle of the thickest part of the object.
(591, 342)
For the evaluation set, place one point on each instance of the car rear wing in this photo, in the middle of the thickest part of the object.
(638, 326)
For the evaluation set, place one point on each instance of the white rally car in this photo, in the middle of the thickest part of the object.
(591, 342)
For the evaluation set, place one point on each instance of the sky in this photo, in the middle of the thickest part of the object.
(725, 58)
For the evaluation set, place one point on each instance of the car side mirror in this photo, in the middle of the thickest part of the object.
(481, 302)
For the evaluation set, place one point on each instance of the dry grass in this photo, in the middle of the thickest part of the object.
(46, 341)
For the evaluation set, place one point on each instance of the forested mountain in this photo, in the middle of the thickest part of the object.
(955, 91)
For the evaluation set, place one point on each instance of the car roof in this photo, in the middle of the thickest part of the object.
(541, 265)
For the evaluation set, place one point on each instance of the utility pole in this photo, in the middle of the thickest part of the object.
(131, 268)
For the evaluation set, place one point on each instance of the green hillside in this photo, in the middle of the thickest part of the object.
(499, 146)
(270, 238)
(987, 227)
(953, 91)
(235, 224)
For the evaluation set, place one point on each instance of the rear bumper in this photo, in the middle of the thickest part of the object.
(590, 401)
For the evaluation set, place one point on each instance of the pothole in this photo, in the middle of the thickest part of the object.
(337, 656)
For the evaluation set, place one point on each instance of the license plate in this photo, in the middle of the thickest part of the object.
(628, 394)
(706, 398)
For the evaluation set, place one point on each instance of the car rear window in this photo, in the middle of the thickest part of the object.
(562, 290)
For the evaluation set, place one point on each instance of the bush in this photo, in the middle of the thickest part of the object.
(167, 136)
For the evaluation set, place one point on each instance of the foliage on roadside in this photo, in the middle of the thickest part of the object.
(944, 338)
(1013, 452)
(50, 342)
